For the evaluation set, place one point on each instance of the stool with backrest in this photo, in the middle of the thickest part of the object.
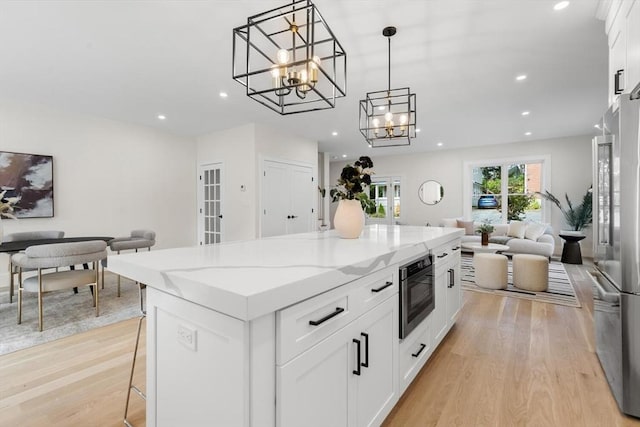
(139, 239)
(21, 236)
(53, 256)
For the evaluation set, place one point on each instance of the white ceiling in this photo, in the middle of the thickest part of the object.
(132, 60)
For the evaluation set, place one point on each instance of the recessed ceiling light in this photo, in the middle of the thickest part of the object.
(223, 94)
(597, 126)
(521, 77)
(439, 144)
(382, 107)
(344, 155)
(527, 133)
(161, 117)
(334, 133)
(525, 113)
(560, 5)
(417, 130)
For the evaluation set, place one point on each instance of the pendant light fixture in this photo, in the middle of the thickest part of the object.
(388, 117)
(289, 60)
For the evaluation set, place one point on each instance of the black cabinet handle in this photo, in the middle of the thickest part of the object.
(327, 317)
(366, 350)
(618, 89)
(357, 370)
(382, 288)
(417, 353)
(452, 281)
(443, 255)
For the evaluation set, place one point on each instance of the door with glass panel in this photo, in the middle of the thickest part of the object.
(210, 217)
(384, 192)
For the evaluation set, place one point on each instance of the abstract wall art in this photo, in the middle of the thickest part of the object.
(29, 177)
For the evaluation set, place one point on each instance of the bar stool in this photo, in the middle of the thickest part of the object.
(139, 239)
(139, 392)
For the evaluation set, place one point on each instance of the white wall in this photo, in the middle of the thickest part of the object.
(235, 149)
(570, 173)
(242, 150)
(109, 177)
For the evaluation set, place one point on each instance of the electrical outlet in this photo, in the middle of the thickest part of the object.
(187, 337)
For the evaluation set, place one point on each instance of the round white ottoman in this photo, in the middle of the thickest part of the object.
(531, 272)
(490, 270)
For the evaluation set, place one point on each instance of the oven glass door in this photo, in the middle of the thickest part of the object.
(419, 294)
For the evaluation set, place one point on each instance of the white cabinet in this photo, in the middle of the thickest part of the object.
(347, 379)
(414, 352)
(288, 197)
(633, 45)
(454, 291)
(447, 289)
(623, 33)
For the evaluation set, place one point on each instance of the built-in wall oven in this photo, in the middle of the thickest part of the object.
(417, 293)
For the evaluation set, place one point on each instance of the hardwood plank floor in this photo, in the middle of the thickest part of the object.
(514, 362)
(507, 362)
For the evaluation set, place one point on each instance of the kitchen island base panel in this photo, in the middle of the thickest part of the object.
(199, 366)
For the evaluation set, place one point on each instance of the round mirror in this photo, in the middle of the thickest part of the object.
(431, 192)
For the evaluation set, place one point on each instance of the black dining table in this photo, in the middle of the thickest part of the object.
(21, 245)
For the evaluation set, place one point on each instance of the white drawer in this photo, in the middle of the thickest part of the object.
(445, 254)
(414, 352)
(303, 325)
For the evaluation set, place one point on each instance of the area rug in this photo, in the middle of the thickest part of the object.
(65, 313)
(560, 290)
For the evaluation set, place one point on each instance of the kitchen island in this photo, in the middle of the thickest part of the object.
(256, 333)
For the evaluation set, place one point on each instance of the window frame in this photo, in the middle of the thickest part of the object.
(504, 163)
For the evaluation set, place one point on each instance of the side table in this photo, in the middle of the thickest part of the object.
(571, 253)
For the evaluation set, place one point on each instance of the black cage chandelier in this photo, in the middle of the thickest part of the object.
(289, 60)
(388, 117)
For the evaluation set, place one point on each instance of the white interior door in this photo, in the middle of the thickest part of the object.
(301, 201)
(210, 219)
(287, 198)
(275, 198)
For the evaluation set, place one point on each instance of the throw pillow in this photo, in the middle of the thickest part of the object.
(467, 225)
(534, 231)
(517, 229)
(450, 222)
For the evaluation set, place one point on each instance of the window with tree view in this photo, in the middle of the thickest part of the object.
(507, 192)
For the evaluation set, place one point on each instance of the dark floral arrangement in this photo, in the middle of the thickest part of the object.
(352, 179)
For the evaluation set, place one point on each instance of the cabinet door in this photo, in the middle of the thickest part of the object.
(439, 313)
(633, 46)
(454, 292)
(377, 386)
(316, 388)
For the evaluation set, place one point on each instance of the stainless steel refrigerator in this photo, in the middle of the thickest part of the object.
(616, 220)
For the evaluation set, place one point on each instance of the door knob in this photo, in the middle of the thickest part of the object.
(219, 216)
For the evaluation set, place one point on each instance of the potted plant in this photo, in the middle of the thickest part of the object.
(576, 216)
(484, 229)
(352, 198)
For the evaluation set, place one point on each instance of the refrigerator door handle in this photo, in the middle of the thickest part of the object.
(604, 294)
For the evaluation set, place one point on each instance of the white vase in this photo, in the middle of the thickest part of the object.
(349, 219)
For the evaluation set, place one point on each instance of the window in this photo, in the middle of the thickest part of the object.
(502, 191)
(385, 193)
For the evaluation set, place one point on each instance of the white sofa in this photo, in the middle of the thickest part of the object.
(542, 245)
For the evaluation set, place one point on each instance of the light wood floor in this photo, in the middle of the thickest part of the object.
(507, 362)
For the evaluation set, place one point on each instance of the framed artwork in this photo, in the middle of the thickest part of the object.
(29, 177)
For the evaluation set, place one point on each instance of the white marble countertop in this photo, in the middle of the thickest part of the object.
(248, 279)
